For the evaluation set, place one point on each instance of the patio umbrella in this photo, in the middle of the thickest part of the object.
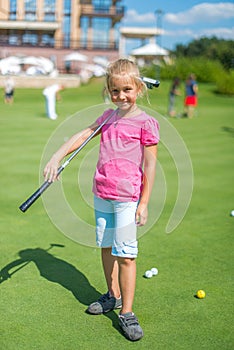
(76, 56)
(101, 61)
(149, 50)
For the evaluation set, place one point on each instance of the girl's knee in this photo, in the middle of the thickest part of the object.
(126, 261)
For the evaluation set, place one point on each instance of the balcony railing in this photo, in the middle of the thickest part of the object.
(102, 11)
(37, 41)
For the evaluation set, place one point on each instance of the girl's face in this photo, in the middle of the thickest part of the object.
(123, 91)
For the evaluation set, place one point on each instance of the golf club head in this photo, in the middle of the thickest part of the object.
(150, 83)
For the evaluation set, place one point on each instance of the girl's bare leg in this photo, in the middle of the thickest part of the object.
(127, 281)
(111, 271)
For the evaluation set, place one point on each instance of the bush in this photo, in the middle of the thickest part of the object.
(205, 70)
(225, 83)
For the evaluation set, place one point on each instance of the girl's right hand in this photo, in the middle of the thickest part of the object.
(51, 169)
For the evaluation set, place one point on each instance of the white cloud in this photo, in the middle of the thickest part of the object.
(179, 33)
(205, 12)
(132, 16)
(222, 33)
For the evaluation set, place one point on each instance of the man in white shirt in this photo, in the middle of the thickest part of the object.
(51, 94)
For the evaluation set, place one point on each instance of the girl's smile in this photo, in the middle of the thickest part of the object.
(123, 93)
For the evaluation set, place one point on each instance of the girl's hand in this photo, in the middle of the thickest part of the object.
(141, 214)
(51, 169)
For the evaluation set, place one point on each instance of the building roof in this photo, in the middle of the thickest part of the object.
(139, 33)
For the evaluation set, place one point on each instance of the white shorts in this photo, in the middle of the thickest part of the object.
(116, 226)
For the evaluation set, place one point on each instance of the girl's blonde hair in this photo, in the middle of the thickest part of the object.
(124, 68)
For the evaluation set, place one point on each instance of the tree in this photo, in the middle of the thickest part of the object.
(210, 48)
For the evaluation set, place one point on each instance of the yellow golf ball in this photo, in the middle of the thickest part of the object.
(200, 294)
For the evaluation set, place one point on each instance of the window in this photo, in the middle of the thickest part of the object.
(102, 5)
(49, 10)
(101, 27)
(47, 40)
(67, 22)
(30, 8)
(13, 9)
(30, 38)
(13, 38)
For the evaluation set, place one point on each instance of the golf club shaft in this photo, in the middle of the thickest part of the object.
(27, 204)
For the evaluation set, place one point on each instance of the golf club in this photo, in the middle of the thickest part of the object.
(150, 83)
(27, 204)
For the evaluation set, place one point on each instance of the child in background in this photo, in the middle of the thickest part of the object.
(191, 91)
(174, 91)
(9, 90)
(122, 186)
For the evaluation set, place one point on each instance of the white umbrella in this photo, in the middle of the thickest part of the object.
(76, 56)
(10, 65)
(96, 70)
(150, 50)
(30, 60)
(11, 60)
(46, 64)
(101, 61)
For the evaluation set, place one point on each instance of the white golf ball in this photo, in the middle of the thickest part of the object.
(154, 271)
(232, 213)
(148, 274)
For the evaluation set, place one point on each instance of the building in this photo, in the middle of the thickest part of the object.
(60, 24)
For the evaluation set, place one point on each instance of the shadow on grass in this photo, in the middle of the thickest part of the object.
(228, 130)
(58, 271)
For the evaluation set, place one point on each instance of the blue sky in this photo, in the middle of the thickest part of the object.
(181, 20)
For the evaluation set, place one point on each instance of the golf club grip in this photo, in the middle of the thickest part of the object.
(27, 204)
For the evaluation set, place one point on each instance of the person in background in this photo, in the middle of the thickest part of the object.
(191, 90)
(52, 95)
(174, 91)
(9, 90)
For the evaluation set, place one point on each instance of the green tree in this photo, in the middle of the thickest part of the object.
(211, 48)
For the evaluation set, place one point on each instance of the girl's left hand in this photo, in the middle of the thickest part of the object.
(141, 214)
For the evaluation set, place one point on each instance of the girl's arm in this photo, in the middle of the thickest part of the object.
(51, 168)
(150, 157)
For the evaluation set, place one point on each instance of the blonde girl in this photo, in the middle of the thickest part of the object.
(122, 186)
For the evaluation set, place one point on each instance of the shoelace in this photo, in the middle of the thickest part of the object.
(104, 297)
(130, 320)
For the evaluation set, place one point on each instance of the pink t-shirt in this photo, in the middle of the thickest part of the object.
(119, 173)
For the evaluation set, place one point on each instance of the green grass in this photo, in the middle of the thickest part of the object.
(43, 304)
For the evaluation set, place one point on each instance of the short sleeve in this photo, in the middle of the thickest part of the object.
(105, 115)
(150, 132)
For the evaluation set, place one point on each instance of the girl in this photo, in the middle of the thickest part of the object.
(191, 93)
(121, 189)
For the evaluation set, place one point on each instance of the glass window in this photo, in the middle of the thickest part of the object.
(47, 40)
(30, 38)
(84, 23)
(49, 10)
(101, 28)
(13, 37)
(67, 22)
(102, 5)
(13, 9)
(30, 8)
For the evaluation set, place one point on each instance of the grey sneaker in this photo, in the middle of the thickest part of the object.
(130, 326)
(104, 304)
